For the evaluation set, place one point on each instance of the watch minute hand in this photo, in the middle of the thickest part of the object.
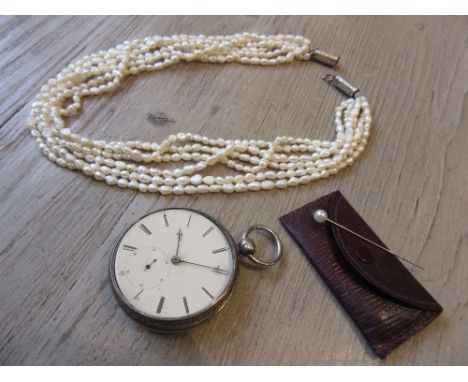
(217, 269)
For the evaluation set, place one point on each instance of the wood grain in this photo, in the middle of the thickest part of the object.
(58, 227)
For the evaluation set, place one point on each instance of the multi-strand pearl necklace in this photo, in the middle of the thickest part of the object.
(258, 164)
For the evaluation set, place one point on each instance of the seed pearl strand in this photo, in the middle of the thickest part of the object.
(258, 164)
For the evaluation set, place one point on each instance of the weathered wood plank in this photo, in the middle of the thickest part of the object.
(58, 227)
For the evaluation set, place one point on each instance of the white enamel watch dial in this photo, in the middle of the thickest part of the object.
(173, 269)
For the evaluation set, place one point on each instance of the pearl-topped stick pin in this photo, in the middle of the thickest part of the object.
(321, 217)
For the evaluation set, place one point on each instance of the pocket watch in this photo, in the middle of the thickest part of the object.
(176, 267)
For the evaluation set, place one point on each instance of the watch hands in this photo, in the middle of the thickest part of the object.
(216, 269)
(179, 237)
(148, 266)
(176, 259)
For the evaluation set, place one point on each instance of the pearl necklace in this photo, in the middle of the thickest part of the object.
(281, 163)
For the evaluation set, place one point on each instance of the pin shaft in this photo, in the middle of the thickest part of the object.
(371, 242)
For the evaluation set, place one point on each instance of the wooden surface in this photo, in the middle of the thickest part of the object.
(58, 227)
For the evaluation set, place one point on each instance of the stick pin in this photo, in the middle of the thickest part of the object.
(321, 216)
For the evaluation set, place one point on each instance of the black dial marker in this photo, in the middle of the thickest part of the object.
(222, 271)
(208, 293)
(220, 250)
(165, 220)
(190, 218)
(145, 229)
(186, 305)
(140, 292)
(129, 248)
(160, 305)
(208, 231)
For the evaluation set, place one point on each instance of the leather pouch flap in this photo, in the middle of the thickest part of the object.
(378, 267)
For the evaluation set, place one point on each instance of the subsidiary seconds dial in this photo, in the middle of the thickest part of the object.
(173, 269)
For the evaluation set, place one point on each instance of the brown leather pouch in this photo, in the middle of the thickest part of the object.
(385, 301)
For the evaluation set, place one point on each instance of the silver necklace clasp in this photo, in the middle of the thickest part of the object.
(324, 58)
(342, 85)
(338, 82)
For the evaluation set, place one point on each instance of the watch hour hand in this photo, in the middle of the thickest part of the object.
(176, 258)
